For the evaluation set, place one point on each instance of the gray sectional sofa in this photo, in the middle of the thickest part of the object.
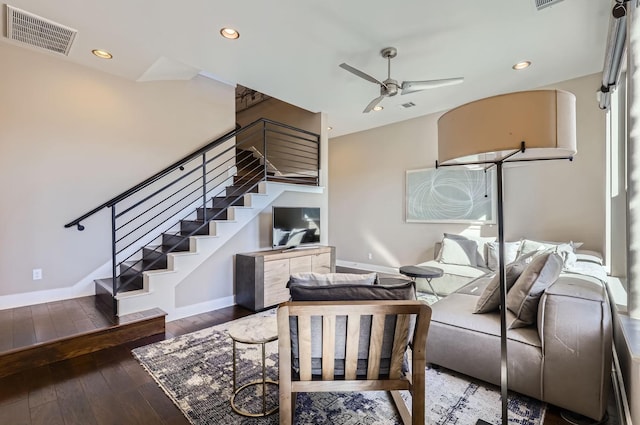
(564, 358)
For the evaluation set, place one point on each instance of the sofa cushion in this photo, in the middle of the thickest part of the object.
(511, 250)
(525, 294)
(319, 279)
(490, 297)
(456, 310)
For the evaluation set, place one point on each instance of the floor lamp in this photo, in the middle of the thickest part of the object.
(518, 127)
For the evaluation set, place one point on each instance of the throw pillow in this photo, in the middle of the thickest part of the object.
(459, 251)
(525, 294)
(319, 279)
(566, 250)
(482, 247)
(490, 298)
(510, 253)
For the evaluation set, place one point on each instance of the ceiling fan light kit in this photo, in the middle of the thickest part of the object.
(390, 87)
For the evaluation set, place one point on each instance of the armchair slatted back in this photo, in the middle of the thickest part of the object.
(363, 346)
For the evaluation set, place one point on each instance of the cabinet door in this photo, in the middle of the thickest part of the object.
(300, 264)
(276, 276)
(321, 263)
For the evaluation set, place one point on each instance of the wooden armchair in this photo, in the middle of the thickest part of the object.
(342, 346)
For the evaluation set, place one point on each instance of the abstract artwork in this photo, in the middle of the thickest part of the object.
(450, 195)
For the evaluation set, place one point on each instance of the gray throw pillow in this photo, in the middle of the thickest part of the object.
(481, 242)
(490, 298)
(319, 279)
(463, 252)
(524, 296)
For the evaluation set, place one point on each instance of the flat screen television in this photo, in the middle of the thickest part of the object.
(293, 226)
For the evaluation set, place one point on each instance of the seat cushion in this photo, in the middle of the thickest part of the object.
(470, 343)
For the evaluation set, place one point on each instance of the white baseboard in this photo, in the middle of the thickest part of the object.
(204, 307)
(84, 288)
(365, 266)
(46, 296)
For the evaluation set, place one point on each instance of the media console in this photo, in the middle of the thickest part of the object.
(261, 277)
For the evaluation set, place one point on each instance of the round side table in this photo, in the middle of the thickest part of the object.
(254, 331)
(425, 272)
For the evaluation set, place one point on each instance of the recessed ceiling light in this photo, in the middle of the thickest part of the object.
(229, 33)
(521, 65)
(102, 54)
(378, 108)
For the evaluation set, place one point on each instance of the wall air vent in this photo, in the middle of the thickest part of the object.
(541, 4)
(38, 32)
(408, 105)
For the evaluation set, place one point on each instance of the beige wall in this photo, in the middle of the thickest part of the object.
(70, 139)
(552, 200)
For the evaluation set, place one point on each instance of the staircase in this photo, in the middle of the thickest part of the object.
(164, 228)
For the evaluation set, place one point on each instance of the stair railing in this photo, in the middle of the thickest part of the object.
(164, 211)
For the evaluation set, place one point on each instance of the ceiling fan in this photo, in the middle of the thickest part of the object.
(389, 87)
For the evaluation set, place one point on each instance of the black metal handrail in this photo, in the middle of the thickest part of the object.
(163, 205)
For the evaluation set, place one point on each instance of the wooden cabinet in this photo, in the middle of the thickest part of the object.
(261, 277)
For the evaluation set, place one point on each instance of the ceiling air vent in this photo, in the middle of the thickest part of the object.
(39, 32)
(408, 105)
(541, 4)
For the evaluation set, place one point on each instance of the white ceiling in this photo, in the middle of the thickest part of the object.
(291, 49)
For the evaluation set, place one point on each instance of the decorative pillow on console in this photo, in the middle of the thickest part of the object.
(523, 297)
(319, 279)
(481, 242)
(490, 298)
(463, 252)
(511, 250)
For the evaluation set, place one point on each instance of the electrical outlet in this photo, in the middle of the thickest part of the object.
(37, 274)
(370, 256)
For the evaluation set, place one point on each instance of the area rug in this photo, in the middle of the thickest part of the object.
(195, 369)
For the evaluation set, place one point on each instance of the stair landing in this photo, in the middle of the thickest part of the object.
(41, 334)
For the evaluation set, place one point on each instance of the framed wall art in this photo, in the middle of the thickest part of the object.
(450, 195)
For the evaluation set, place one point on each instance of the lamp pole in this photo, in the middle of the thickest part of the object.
(502, 276)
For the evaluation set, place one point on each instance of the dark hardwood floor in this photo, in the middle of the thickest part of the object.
(104, 387)
(26, 326)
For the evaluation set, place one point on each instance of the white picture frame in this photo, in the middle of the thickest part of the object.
(450, 195)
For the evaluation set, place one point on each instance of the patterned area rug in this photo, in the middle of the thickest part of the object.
(194, 370)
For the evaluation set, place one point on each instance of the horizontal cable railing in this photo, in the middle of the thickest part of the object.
(159, 215)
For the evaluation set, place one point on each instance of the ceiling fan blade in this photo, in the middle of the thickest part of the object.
(360, 74)
(414, 86)
(373, 104)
